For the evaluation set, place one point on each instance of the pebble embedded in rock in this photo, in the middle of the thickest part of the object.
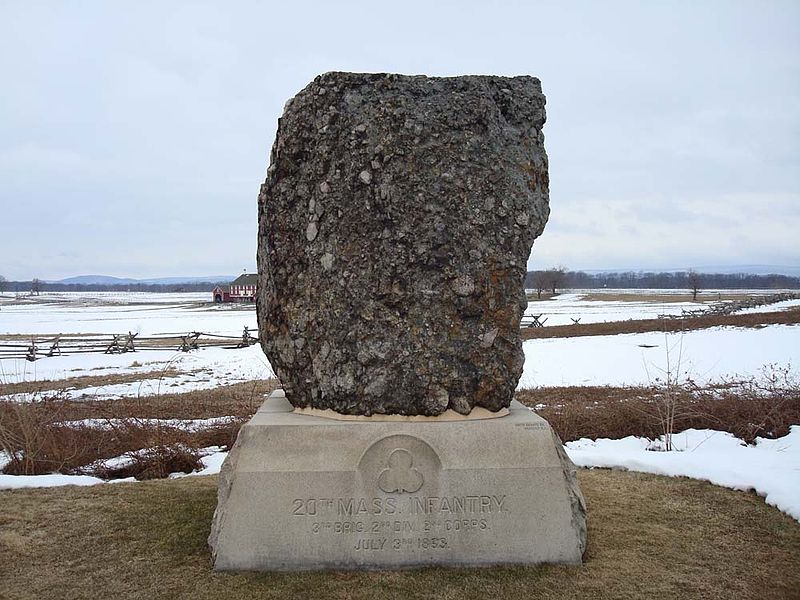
(311, 231)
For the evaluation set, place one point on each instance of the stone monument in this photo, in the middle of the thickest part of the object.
(395, 225)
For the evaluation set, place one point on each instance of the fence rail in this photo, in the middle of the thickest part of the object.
(36, 348)
(718, 309)
(729, 308)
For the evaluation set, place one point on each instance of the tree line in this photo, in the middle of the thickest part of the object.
(553, 279)
(542, 281)
(36, 286)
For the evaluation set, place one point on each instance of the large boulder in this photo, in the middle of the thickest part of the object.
(395, 225)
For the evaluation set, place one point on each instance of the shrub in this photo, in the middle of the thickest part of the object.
(151, 463)
(38, 440)
(765, 405)
(36, 443)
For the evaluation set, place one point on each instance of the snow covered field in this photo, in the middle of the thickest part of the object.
(613, 360)
(146, 314)
(561, 309)
(640, 358)
(564, 307)
(143, 313)
(102, 298)
(771, 467)
(162, 372)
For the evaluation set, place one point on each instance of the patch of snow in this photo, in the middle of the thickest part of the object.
(212, 462)
(776, 307)
(116, 462)
(205, 368)
(52, 480)
(703, 355)
(770, 467)
(212, 458)
(188, 425)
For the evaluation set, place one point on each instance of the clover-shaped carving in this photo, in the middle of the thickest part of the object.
(400, 476)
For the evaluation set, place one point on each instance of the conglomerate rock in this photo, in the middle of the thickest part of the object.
(395, 225)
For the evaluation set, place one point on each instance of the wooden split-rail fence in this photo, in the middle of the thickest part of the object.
(729, 308)
(535, 321)
(37, 348)
(721, 308)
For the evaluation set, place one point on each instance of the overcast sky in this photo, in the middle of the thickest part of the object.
(134, 135)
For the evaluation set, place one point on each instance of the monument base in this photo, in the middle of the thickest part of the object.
(306, 492)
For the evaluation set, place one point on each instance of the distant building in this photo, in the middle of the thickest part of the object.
(241, 289)
(221, 293)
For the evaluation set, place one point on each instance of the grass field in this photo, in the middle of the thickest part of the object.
(649, 537)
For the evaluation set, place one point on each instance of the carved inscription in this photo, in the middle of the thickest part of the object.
(401, 523)
(412, 505)
(405, 507)
(533, 426)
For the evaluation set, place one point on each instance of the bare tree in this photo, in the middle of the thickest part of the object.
(540, 282)
(693, 277)
(36, 286)
(556, 277)
(3, 284)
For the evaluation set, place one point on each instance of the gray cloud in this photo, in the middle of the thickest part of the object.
(133, 137)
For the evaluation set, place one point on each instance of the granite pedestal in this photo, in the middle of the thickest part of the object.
(304, 492)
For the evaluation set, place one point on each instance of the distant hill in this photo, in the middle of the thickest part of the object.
(174, 280)
(94, 280)
(107, 280)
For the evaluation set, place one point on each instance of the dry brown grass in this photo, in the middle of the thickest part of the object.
(26, 337)
(649, 537)
(36, 438)
(785, 317)
(747, 409)
(40, 444)
(533, 296)
(239, 399)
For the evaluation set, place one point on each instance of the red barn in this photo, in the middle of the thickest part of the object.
(241, 289)
(221, 293)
